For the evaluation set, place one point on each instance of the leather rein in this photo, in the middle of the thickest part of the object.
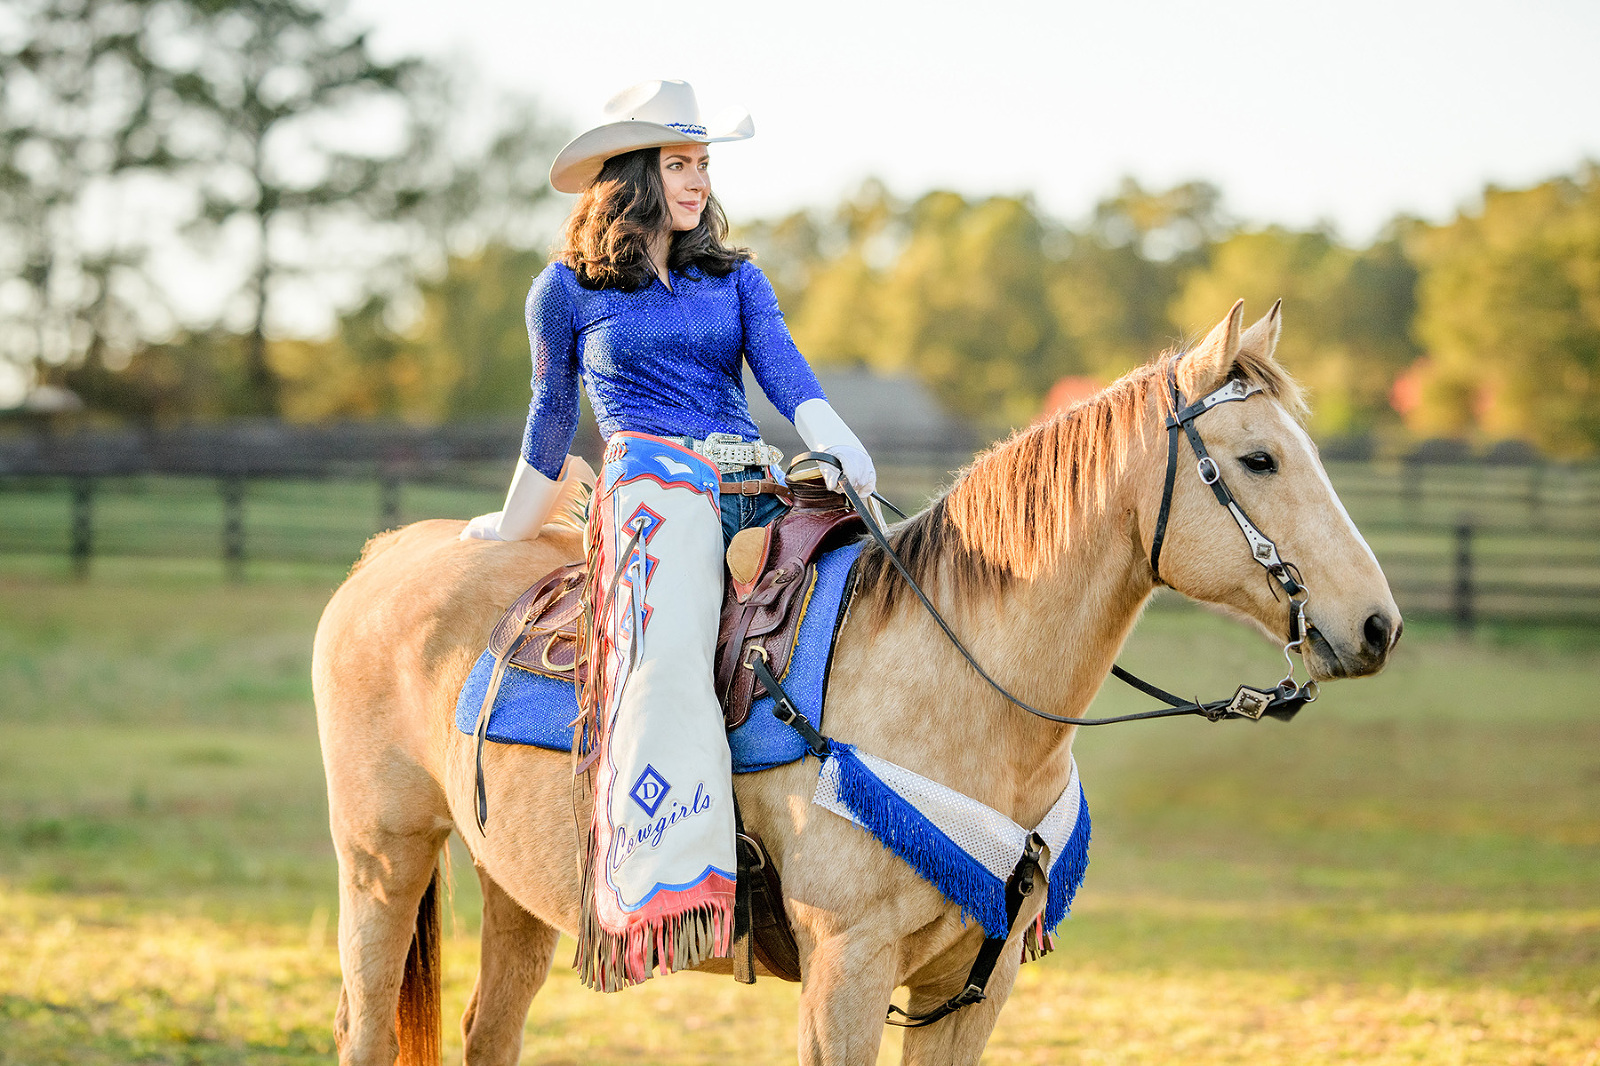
(1282, 701)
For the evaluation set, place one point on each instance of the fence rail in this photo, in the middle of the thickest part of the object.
(1467, 542)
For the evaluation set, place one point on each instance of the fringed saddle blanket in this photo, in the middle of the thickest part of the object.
(659, 875)
(964, 848)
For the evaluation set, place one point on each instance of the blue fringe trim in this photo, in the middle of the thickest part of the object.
(1068, 868)
(904, 830)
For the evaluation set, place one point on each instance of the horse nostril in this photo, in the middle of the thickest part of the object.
(1379, 635)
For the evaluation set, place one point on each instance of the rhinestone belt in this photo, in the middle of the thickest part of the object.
(730, 453)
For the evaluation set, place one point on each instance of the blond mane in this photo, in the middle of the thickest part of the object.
(1013, 511)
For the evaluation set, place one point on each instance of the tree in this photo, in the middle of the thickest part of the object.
(829, 275)
(965, 307)
(83, 108)
(1346, 313)
(1509, 306)
(276, 84)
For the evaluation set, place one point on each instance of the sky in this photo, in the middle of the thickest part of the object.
(1344, 113)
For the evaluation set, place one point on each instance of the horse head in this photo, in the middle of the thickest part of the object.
(1269, 465)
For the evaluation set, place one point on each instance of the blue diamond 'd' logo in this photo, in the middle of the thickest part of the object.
(650, 790)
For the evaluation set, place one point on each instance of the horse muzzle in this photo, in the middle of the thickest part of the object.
(1363, 654)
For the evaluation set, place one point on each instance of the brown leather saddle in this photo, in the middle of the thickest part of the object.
(772, 570)
(771, 573)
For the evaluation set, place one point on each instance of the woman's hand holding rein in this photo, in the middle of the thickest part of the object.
(824, 431)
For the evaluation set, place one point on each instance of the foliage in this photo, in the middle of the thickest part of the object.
(265, 76)
(464, 356)
(1346, 312)
(263, 135)
(991, 302)
(953, 291)
(85, 115)
(1509, 310)
(1123, 270)
(964, 307)
(265, 139)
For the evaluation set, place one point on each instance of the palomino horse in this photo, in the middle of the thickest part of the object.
(1040, 557)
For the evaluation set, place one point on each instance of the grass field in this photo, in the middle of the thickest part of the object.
(1407, 873)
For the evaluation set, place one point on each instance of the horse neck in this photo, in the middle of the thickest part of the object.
(1050, 641)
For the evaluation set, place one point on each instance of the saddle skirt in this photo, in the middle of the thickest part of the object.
(786, 606)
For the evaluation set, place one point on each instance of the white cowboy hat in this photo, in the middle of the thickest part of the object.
(648, 115)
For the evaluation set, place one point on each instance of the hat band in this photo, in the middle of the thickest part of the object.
(688, 127)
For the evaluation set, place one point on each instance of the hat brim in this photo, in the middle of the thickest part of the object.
(578, 164)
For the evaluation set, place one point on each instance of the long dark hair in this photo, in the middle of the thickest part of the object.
(607, 237)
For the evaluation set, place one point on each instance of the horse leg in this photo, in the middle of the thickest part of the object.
(959, 1038)
(382, 885)
(388, 820)
(517, 949)
(845, 985)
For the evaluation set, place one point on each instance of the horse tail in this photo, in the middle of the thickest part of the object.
(417, 1017)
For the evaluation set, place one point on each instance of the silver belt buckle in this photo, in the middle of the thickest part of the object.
(732, 454)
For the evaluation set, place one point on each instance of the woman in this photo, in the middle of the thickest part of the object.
(656, 316)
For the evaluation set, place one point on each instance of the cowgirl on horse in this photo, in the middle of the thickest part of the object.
(656, 316)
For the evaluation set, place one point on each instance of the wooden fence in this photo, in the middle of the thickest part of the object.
(1464, 542)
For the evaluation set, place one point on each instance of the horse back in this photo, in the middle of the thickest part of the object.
(399, 636)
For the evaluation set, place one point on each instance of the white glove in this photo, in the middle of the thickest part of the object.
(824, 431)
(529, 501)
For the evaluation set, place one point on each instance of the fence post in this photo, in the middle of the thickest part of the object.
(1462, 599)
(1536, 475)
(1411, 490)
(82, 548)
(388, 498)
(232, 489)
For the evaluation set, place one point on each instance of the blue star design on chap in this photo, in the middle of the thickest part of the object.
(649, 790)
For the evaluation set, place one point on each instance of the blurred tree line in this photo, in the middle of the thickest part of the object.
(1486, 326)
(144, 142)
(257, 152)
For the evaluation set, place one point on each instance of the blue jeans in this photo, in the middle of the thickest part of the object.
(742, 512)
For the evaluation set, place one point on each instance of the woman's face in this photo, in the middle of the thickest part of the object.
(686, 175)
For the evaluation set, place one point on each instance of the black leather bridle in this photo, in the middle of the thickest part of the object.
(1282, 701)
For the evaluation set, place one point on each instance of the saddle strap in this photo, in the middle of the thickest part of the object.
(763, 487)
(761, 929)
(775, 943)
(765, 622)
(1024, 878)
(504, 639)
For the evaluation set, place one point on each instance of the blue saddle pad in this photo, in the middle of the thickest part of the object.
(533, 709)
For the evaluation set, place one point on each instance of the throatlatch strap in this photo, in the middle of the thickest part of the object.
(1166, 501)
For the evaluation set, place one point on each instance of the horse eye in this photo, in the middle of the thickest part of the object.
(1259, 463)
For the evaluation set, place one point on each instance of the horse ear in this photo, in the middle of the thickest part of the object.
(1261, 339)
(1206, 369)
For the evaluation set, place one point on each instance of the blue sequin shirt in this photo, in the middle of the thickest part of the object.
(662, 361)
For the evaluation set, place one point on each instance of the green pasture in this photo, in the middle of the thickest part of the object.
(1408, 873)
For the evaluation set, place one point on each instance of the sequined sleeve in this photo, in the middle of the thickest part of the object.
(552, 338)
(780, 369)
